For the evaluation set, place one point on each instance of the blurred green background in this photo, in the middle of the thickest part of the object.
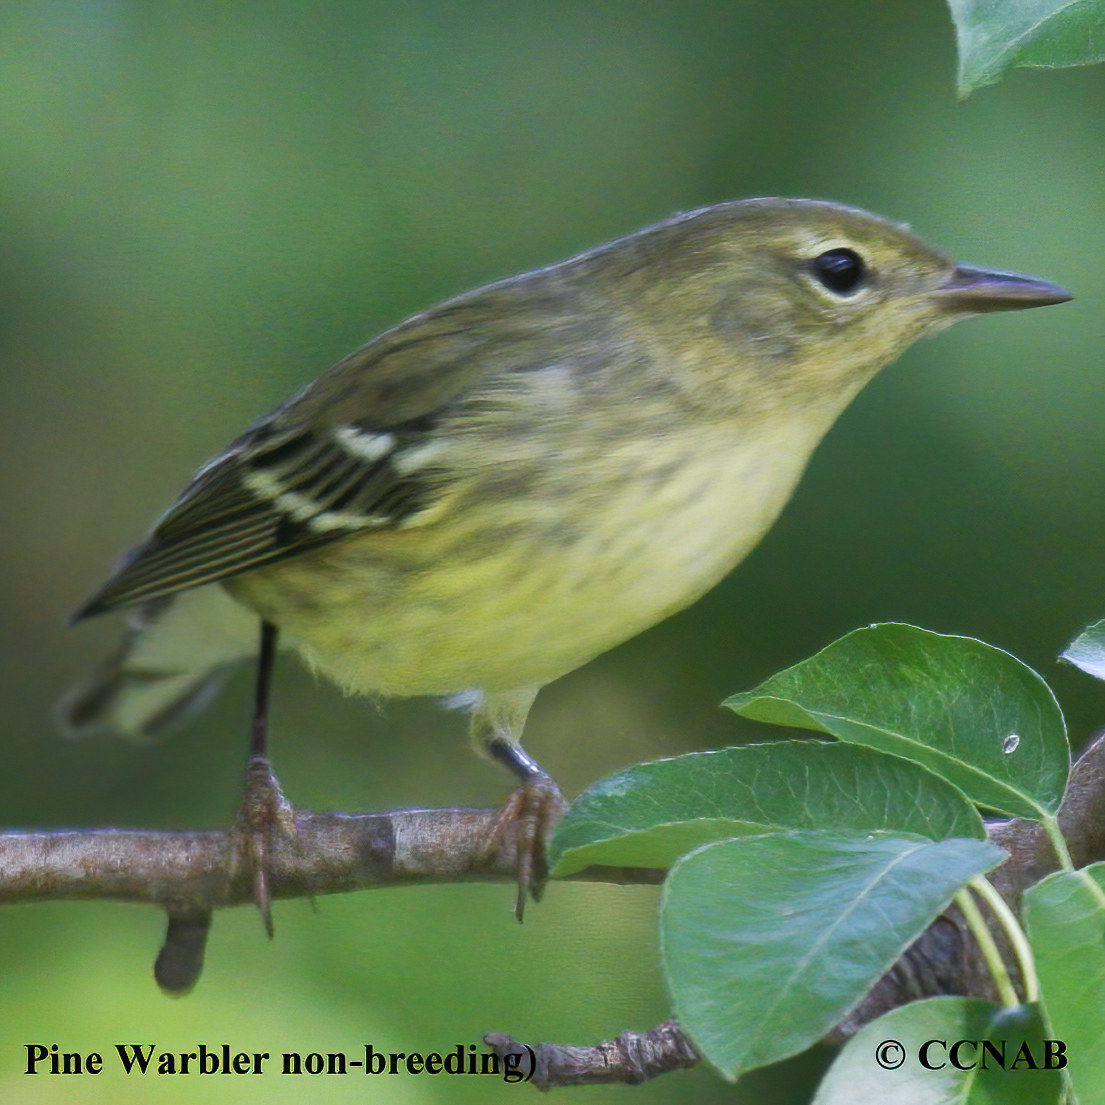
(206, 204)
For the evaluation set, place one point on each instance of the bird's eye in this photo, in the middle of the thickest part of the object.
(840, 270)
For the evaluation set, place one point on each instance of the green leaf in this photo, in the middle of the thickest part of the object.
(650, 814)
(1087, 650)
(967, 711)
(864, 1073)
(857, 1078)
(1065, 918)
(768, 941)
(997, 35)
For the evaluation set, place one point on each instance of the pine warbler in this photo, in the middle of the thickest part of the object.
(502, 487)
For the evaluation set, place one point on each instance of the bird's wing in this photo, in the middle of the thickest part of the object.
(352, 452)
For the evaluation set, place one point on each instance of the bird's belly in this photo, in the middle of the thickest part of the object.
(523, 595)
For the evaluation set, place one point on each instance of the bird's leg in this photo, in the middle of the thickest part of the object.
(264, 814)
(536, 805)
(530, 812)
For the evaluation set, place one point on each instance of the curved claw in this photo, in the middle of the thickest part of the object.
(525, 821)
(265, 817)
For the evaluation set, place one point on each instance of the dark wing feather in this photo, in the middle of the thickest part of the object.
(326, 465)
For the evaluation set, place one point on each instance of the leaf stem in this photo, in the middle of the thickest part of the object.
(1093, 887)
(987, 946)
(1051, 827)
(1013, 929)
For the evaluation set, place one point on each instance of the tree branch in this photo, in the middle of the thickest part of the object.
(191, 874)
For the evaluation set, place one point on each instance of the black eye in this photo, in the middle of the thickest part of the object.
(840, 270)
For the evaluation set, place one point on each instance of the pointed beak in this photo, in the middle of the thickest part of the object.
(974, 291)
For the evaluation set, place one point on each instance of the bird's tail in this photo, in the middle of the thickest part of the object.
(174, 656)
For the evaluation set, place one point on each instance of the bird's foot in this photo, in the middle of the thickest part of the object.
(525, 823)
(263, 826)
